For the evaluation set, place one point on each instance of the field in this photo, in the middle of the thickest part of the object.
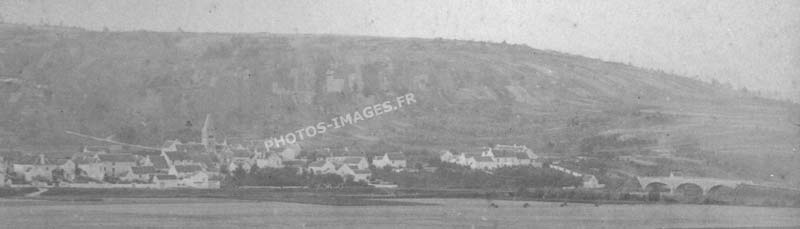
(446, 213)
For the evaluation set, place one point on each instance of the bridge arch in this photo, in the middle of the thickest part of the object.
(689, 189)
(720, 189)
(657, 187)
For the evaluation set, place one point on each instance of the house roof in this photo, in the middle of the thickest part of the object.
(143, 170)
(362, 171)
(504, 153)
(144, 153)
(521, 155)
(117, 157)
(484, 159)
(515, 148)
(177, 156)
(188, 168)
(472, 154)
(159, 162)
(395, 156)
(82, 160)
(317, 164)
(353, 160)
(191, 148)
(297, 163)
(166, 177)
(206, 159)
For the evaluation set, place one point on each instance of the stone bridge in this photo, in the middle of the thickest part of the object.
(679, 183)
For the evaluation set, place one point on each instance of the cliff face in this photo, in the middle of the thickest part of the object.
(143, 87)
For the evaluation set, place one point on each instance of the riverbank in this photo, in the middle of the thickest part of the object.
(357, 196)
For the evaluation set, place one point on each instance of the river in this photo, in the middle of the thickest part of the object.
(450, 213)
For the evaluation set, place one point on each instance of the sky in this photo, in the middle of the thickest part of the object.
(753, 44)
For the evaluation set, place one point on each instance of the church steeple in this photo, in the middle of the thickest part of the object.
(207, 133)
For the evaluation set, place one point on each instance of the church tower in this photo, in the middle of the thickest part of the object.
(207, 134)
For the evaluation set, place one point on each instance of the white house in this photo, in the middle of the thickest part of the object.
(196, 180)
(90, 167)
(271, 160)
(117, 164)
(358, 162)
(290, 152)
(447, 156)
(43, 167)
(506, 158)
(178, 158)
(517, 148)
(590, 181)
(165, 181)
(482, 163)
(183, 171)
(322, 167)
(353, 171)
(464, 157)
(141, 174)
(394, 160)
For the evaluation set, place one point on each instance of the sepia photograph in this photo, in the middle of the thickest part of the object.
(399, 114)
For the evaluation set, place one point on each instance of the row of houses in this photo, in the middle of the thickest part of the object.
(182, 170)
(489, 158)
(356, 166)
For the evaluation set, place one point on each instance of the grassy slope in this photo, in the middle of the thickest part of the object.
(143, 87)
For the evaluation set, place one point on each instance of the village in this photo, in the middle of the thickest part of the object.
(208, 163)
(204, 166)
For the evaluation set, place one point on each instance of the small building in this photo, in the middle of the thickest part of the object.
(244, 163)
(159, 163)
(117, 164)
(321, 167)
(90, 167)
(299, 165)
(590, 181)
(165, 181)
(198, 179)
(464, 157)
(518, 149)
(271, 160)
(394, 160)
(182, 171)
(141, 174)
(290, 152)
(358, 162)
(41, 167)
(178, 158)
(447, 156)
(354, 172)
(483, 163)
(506, 158)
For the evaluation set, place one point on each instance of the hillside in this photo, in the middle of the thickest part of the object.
(144, 87)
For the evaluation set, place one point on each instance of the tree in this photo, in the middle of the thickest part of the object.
(239, 174)
(78, 170)
(254, 170)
